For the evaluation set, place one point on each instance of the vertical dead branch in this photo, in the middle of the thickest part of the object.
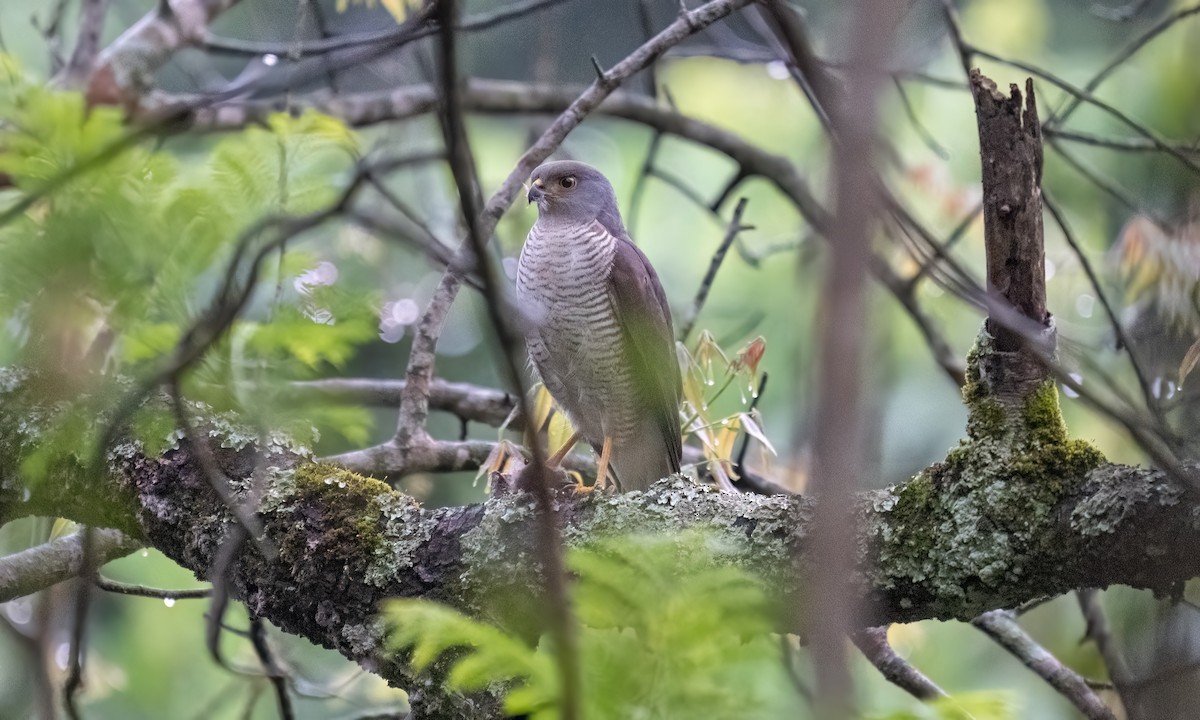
(1010, 148)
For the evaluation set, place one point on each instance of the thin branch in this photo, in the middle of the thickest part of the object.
(1153, 137)
(732, 184)
(1099, 633)
(1135, 145)
(125, 69)
(391, 38)
(945, 356)
(1079, 95)
(87, 44)
(28, 571)
(873, 643)
(943, 249)
(464, 400)
(561, 623)
(120, 588)
(278, 679)
(52, 33)
(731, 233)
(1109, 311)
(1001, 626)
(79, 618)
(919, 128)
(960, 45)
(682, 186)
(639, 185)
(1109, 188)
(1127, 52)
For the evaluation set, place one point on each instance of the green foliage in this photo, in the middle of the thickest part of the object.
(113, 246)
(968, 706)
(708, 371)
(665, 631)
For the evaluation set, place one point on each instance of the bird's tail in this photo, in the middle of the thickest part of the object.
(643, 459)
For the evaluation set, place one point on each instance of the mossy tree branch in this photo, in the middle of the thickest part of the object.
(965, 536)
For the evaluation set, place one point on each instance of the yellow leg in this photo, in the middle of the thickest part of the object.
(554, 460)
(602, 467)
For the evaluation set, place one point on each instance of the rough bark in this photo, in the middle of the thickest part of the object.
(1010, 147)
(991, 527)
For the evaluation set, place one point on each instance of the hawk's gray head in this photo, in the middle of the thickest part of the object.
(574, 192)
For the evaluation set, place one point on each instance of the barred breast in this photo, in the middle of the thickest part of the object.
(574, 341)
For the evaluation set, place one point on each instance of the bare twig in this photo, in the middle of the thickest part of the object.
(468, 402)
(51, 32)
(390, 38)
(873, 643)
(277, 677)
(37, 568)
(561, 624)
(731, 233)
(967, 51)
(1150, 135)
(919, 128)
(120, 588)
(947, 359)
(87, 44)
(943, 249)
(83, 601)
(1109, 188)
(1099, 633)
(639, 185)
(124, 71)
(1000, 626)
(1127, 52)
(1109, 311)
(1135, 145)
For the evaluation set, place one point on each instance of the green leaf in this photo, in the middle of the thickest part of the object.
(666, 631)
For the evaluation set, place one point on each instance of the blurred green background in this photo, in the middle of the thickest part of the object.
(148, 660)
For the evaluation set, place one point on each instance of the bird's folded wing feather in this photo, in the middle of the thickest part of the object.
(645, 321)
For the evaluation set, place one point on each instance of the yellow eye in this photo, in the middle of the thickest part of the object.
(567, 182)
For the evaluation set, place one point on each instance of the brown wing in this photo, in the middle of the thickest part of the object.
(649, 340)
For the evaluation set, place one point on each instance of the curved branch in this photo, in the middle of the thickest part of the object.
(464, 400)
(125, 69)
(40, 567)
(874, 645)
(1001, 626)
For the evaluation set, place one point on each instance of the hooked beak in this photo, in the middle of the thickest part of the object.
(535, 191)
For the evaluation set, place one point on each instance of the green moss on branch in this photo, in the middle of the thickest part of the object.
(973, 526)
